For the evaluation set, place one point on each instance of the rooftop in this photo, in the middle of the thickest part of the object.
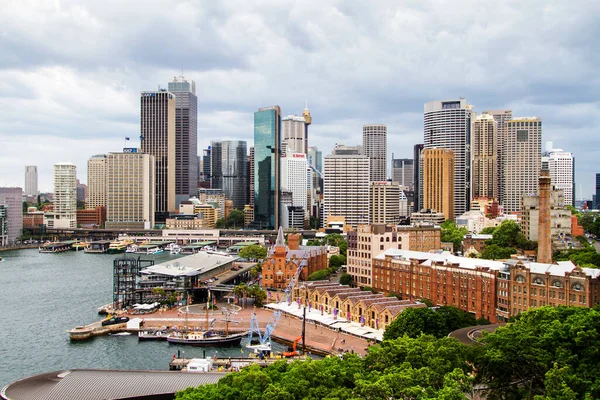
(195, 264)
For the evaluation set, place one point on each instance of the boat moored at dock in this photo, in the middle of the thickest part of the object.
(98, 247)
(206, 338)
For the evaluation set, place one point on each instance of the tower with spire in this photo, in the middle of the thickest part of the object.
(306, 114)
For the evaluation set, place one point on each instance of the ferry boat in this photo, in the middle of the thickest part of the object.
(132, 248)
(117, 247)
(79, 246)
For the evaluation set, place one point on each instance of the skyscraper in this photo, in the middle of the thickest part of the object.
(484, 157)
(31, 180)
(186, 138)
(403, 172)
(65, 195)
(294, 177)
(375, 147)
(96, 178)
(522, 160)
(418, 177)
(251, 179)
(158, 139)
(561, 165)
(229, 170)
(12, 198)
(295, 133)
(346, 186)
(597, 191)
(206, 164)
(384, 202)
(267, 151)
(447, 125)
(130, 196)
(501, 117)
(315, 183)
(438, 176)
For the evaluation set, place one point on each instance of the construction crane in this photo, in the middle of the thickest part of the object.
(265, 338)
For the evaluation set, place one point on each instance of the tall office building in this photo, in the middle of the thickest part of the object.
(447, 125)
(315, 183)
(295, 133)
(484, 157)
(96, 178)
(346, 186)
(561, 165)
(294, 177)
(375, 147)
(501, 117)
(12, 198)
(206, 164)
(384, 202)
(251, 178)
(229, 170)
(522, 160)
(403, 172)
(65, 196)
(158, 139)
(130, 196)
(438, 177)
(418, 177)
(597, 192)
(186, 138)
(267, 151)
(4, 225)
(31, 180)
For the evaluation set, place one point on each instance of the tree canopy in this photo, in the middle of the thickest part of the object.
(452, 234)
(346, 279)
(253, 252)
(506, 240)
(235, 219)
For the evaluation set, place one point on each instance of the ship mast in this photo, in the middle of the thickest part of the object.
(207, 305)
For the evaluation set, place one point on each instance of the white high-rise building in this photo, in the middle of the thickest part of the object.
(295, 134)
(501, 117)
(96, 180)
(522, 160)
(375, 147)
(31, 180)
(65, 195)
(346, 187)
(447, 125)
(130, 195)
(561, 165)
(294, 177)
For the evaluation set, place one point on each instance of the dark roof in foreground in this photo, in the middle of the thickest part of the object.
(88, 384)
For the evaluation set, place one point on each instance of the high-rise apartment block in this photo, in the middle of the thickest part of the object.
(12, 198)
(522, 160)
(267, 151)
(403, 172)
(484, 157)
(158, 139)
(31, 180)
(295, 134)
(346, 186)
(447, 124)
(384, 202)
(229, 170)
(186, 137)
(438, 181)
(375, 147)
(130, 196)
(65, 196)
(501, 117)
(561, 165)
(251, 179)
(96, 178)
(294, 178)
(418, 177)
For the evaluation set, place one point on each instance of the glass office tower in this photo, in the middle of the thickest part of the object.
(267, 149)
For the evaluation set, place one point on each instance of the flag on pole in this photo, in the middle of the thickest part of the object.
(362, 320)
(335, 313)
(348, 316)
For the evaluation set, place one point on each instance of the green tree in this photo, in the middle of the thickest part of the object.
(253, 252)
(346, 279)
(455, 318)
(416, 321)
(319, 275)
(452, 234)
(495, 252)
(257, 294)
(336, 261)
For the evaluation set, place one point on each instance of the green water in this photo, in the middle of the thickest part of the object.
(44, 295)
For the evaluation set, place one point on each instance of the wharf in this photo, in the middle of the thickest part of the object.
(224, 364)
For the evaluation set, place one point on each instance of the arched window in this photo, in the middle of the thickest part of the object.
(520, 279)
(538, 281)
(558, 284)
(577, 286)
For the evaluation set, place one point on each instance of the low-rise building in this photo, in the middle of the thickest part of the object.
(427, 216)
(560, 216)
(92, 217)
(474, 244)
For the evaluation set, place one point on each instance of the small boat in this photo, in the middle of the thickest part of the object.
(157, 334)
(173, 249)
(120, 334)
(154, 250)
(115, 321)
(206, 338)
(132, 248)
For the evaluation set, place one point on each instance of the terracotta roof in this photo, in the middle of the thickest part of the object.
(396, 310)
(350, 292)
(356, 299)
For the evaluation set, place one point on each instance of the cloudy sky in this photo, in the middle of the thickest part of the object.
(71, 70)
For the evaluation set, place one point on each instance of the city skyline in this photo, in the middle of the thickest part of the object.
(355, 75)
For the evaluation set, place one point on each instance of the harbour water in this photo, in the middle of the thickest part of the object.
(43, 295)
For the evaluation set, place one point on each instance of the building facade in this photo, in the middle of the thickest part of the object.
(522, 160)
(447, 124)
(375, 147)
(501, 117)
(92, 217)
(65, 196)
(4, 225)
(295, 134)
(229, 170)
(12, 198)
(130, 195)
(267, 151)
(484, 157)
(384, 202)
(561, 165)
(158, 139)
(346, 187)
(418, 177)
(96, 178)
(403, 172)
(186, 137)
(31, 180)
(294, 179)
(438, 181)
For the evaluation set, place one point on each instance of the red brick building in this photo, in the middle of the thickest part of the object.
(283, 261)
(93, 216)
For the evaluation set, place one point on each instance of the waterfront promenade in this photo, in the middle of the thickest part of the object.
(318, 337)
